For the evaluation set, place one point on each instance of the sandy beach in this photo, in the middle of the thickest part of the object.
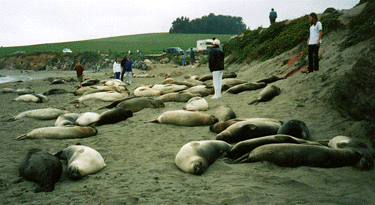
(140, 156)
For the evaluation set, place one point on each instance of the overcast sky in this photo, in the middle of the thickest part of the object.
(27, 22)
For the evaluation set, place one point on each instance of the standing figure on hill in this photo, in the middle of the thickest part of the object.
(183, 58)
(123, 66)
(216, 66)
(273, 16)
(128, 70)
(192, 57)
(79, 69)
(314, 42)
(117, 69)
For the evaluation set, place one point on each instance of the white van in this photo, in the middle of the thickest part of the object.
(203, 45)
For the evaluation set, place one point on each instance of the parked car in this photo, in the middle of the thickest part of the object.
(194, 49)
(67, 50)
(174, 50)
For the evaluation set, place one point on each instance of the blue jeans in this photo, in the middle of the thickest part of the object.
(117, 75)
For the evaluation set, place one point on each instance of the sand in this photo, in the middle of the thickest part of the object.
(140, 156)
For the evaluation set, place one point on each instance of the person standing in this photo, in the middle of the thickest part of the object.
(123, 66)
(183, 58)
(128, 70)
(216, 66)
(79, 69)
(192, 57)
(273, 16)
(313, 42)
(117, 69)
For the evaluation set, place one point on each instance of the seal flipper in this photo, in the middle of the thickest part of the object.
(324, 142)
(154, 121)
(254, 102)
(21, 137)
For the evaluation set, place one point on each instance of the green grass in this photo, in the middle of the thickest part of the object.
(152, 43)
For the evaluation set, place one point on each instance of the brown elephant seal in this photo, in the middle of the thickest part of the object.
(103, 96)
(40, 114)
(137, 104)
(116, 102)
(178, 97)
(115, 115)
(189, 84)
(82, 160)
(196, 156)
(203, 90)
(185, 118)
(87, 118)
(169, 88)
(246, 146)
(247, 130)
(196, 104)
(225, 75)
(246, 87)
(221, 126)
(224, 113)
(58, 81)
(90, 82)
(269, 92)
(23, 91)
(66, 119)
(295, 155)
(270, 79)
(55, 91)
(42, 168)
(66, 132)
(295, 128)
(344, 142)
(7, 90)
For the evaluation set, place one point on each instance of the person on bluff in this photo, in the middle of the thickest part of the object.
(273, 16)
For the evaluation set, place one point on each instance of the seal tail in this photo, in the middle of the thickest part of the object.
(323, 142)
(253, 102)
(153, 121)
(21, 137)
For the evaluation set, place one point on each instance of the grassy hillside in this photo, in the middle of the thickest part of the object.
(147, 43)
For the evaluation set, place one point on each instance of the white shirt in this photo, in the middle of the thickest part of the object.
(314, 33)
(116, 67)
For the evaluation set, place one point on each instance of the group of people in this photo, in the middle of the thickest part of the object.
(216, 57)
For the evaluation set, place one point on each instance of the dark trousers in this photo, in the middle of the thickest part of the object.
(122, 74)
(313, 58)
(272, 20)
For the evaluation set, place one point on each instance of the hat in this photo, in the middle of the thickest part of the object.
(216, 42)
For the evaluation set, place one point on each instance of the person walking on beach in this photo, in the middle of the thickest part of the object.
(79, 69)
(123, 66)
(273, 16)
(313, 42)
(216, 66)
(192, 57)
(183, 58)
(117, 69)
(128, 70)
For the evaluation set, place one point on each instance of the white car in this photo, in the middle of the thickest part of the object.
(67, 50)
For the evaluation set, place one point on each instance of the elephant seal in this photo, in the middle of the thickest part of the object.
(137, 104)
(103, 96)
(224, 113)
(178, 97)
(7, 90)
(66, 119)
(66, 132)
(41, 98)
(41, 167)
(185, 118)
(230, 82)
(344, 142)
(82, 90)
(27, 98)
(40, 114)
(244, 147)
(90, 82)
(82, 160)
(269, 92)
(58, 81)
(225, 75)
(295, 128)
(23, 91)
(270, 79)
(221, 126)
(203, 90)
(295, 155)
(115, 115)
(55, 91)
(246, 87)
(169, 88)
(87, 118)
(144, 91)
(247, 130)
(196, 156)
(115, 103)
(196, 104)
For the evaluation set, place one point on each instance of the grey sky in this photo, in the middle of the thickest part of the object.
(46, 21)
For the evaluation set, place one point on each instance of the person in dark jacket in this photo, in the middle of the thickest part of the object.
(216, 66)
(123, 63)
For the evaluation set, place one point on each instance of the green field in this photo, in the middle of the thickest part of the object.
(152, 43)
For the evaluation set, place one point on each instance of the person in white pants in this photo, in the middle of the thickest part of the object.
(216, 66)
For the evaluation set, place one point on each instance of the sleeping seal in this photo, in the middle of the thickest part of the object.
(82, 160)
(196, 156)
(138, 103)
(178, 97)
(186, 118)
(115, 115)
(66, 119)
(196, 104)
(66, 132)
(40, 114)
(224, 113)
(295, 128)
(269, 92)
(41, 167)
